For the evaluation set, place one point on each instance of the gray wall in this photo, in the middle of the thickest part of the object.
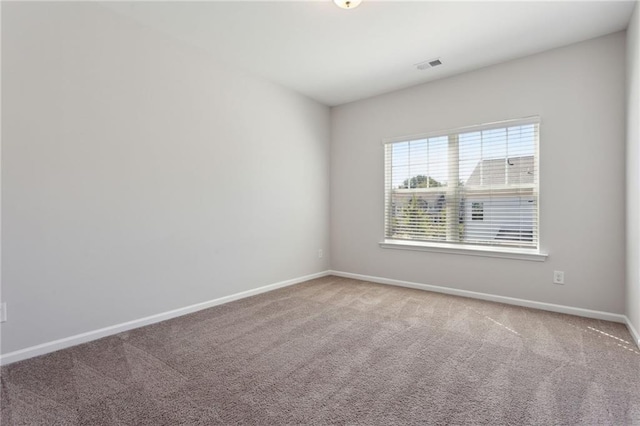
(579, 93)
(140, 176)
(633, 169)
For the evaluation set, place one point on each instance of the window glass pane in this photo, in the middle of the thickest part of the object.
(521, 164)
(438, 160)
(400, 163)
(470, 158)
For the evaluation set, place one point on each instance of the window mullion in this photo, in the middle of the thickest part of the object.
(453, 204)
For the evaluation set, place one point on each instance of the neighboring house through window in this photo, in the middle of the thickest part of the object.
(473, 186)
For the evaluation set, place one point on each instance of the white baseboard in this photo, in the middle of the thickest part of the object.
(607, 316)
(67, 342)
(633, 331)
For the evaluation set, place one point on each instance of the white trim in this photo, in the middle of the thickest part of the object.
(469, 250)
(607, 316)
(633, 331)
(534, 119)
(67, 342)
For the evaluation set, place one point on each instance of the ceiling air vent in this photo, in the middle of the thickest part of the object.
(428, 64)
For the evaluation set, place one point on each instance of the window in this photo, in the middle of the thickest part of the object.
(477, 210)
(476, 186)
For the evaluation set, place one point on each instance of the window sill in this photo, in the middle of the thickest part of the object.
(468, 250)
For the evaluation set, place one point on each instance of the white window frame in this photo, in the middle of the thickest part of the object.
(533, 254)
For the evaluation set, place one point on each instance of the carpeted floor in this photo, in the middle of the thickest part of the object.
(339, 351)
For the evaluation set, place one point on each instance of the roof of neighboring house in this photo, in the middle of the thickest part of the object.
(494, 172)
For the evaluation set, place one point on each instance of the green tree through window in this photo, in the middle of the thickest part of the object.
(415, 220)
(420, 181)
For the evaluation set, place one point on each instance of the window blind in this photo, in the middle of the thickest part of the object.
(471, 186)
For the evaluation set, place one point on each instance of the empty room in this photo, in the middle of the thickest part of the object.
(331, 212)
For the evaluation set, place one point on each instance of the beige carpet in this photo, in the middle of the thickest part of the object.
(339, 351)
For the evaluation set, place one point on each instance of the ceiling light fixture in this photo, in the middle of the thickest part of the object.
(347, 4)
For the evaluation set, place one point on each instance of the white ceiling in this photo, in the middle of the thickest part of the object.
(337, 56)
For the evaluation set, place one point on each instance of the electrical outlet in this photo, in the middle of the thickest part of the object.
(3, 312)
(320, 254)
(558, 277)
